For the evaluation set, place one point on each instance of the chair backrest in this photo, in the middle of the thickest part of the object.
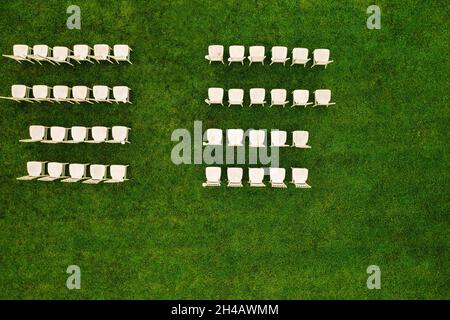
(300, 53)
(100, 92)
(256, 137)
(79, 133)
(215, 94)
(37, 132)
(300, 138)
(321, 55)
(213, 174)
(41, 50)
(77, 170)
(99, 133)
(279, 52)
(237, 51)
(214, 136)
(80, 92)
(300, 96)
(119, 133)
(35, 168)
(81, 51)
(215, 50)
(278, 137)
(121, 93)
(21, 50)
(121, 50)
(18, 91)
(118, 171)
(277, 175)
(323, 96)
(256, 175)
(257, 51)
(61, 92)
(58, 133)
(235, 174)
(55, 169)
(41, 91)
(235, 94)
(97, 171)
(257, 94)
(235, 136)
(299, 175)
(278, 95)
(60, 53)
(101, 51)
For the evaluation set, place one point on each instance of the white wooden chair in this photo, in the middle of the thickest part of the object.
(122, 52)
(257, 54)
(300, 139)
(235, 177)
(97, 172)
(256, 177)
(21, 52)
(61, 55)
(81, 94)
(257, 138)
(215, 53)
(77, 172)
(278, 138)
(299, 178)
(82, 52)
(19, 93)
(55, 170)
(321, 57)
(322, 97)
(277, 176)
(257, 96)
(35, 169)
(300, 98)
(279, 55)
(101, 94)
(42, 93)
(121, 94)
(118, 173)
(236, 54)
(213, 175)
(102, 52)
(99, 134)
(300, 56)
(236, 97)
(213, 137)
(37, 134)
(41, 52)
(235, 137)
(119, 135)
(215, 96)
(78, 134)
(278, 97)
(62, 94)
(57, 135)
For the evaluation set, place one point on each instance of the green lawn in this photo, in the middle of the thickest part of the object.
(379, 163)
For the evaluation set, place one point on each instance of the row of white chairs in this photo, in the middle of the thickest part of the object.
(278, 97)
(76, 94)
(77, 172)
(257, 138)
(78, 134)
(321, 57)
(81, 52)
(256, 177)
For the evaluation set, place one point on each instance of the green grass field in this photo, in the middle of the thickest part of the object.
(379, 163)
